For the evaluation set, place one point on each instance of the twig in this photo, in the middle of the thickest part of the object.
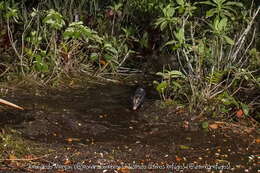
(249, 45)
(11, 104)
(126, 56)
(179, 60)
(241, 39)
(7, 69)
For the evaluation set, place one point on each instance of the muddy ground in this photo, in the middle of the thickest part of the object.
(93, 129)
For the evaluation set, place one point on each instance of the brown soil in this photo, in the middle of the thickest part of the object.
(94, 130)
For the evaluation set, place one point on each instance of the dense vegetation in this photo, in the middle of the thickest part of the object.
(206, 52)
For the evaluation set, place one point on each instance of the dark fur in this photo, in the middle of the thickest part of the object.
(138, 97)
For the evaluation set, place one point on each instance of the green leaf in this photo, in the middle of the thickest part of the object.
(176, 74)
(219, 2)
(176, 46)
(112, 50)
(54, 19)
(44, 68)
(1, 5)
(226, 13)
(34, 13)
(229, 40)
(160, 74)
(108, 57)
(227, 99)
(245, 109)
(180, 2)
(222, 24)
(155, 82)
(211, 12)
(223, 109)
(205, 125)
(170, 11)
(106, 45)
(181, 10)
(176, 84)
(171, 42)
(161, 87)
(159, 21)
(180, 35)
(228, 9)
(94, 56)
(206, 3)
(163, 25)
(12, 13)
(232, 3)
(216, 23)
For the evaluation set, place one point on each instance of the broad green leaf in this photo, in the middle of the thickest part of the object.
(170, 11)
(180, 2)
(216, 23)
(222, 24)
(232, 3)
(161, 87)
(211, 12)
(229, 40)
(54, 19)
(180, 35)
(181, 10)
